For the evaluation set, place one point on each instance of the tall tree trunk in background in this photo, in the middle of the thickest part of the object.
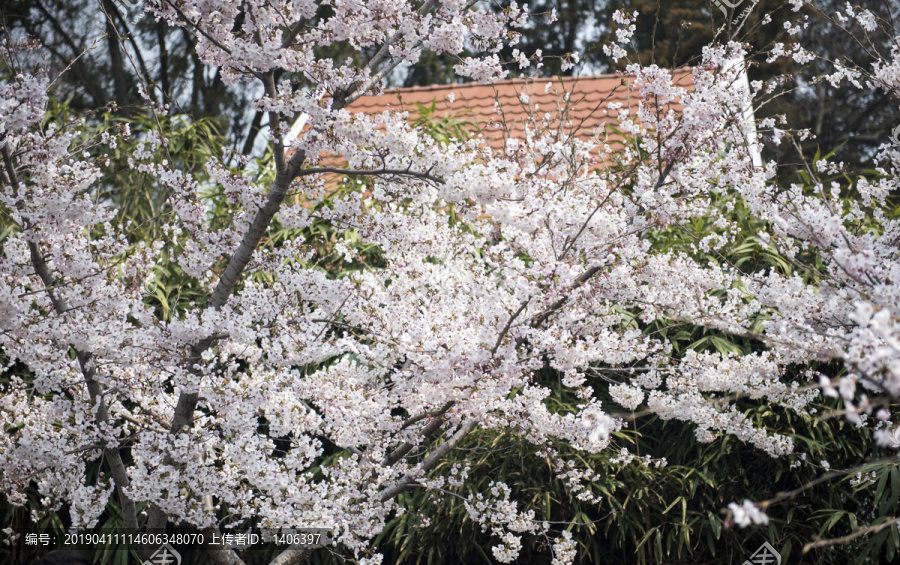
(197, 82)
(163, 59)
(116, 60)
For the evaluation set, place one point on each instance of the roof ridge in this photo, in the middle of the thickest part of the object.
(513, 81)
(476, 84)
(589, 100)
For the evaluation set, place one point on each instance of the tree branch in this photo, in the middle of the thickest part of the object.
(426, 432)
(373, 172)
(203, 32)
(562, 301)
(294, 555)
(292, 35)
(433, 413)
(506, 328)
(431, 460)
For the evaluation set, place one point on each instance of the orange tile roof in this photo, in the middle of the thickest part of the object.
(500, 110)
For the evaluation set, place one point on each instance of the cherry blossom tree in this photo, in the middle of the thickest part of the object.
(289, 397)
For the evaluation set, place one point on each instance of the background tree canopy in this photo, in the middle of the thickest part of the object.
(80, 38)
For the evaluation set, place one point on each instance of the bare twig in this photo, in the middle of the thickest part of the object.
(865, 530)
(372, 172)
